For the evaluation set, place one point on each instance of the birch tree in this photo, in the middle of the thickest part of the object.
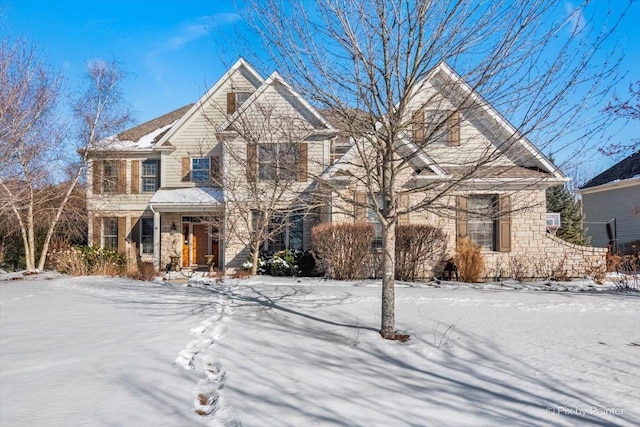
(36, 145)
(537, 62)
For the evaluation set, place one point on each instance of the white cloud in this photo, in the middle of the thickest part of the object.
(201, 27)
(575, 18)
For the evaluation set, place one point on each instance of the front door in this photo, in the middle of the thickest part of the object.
(199, 244)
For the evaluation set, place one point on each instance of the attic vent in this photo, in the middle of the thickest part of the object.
(235, 100)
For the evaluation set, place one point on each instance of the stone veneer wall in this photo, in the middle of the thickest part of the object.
(547, 257)
(170, 243)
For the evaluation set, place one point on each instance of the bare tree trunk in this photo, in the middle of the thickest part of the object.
(388, 328)
(255, 256)
(31, 258)
(54, 223)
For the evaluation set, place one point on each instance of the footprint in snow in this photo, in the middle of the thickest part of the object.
(184, 362)
(206, 403)
(215, 375)
(207, 395)
(198, 330)
(219, 331)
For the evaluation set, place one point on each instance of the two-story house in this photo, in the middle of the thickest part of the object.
(175, 187)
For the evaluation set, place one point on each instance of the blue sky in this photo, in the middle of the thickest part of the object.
(175, 50)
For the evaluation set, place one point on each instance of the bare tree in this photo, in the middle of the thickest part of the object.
(33, 139)
(266, 181)
(630, 110)
(369, 63)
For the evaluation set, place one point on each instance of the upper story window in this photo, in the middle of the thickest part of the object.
(200, 169)
(338, 150)
(109, 176)
(278, 162)
(150, 181)
(482, 220)
(440, 127)
(235, 100)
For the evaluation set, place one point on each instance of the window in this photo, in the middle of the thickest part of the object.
(200, 169)
(482, 220)
(109, 176)
(235, 100)
(277, 162)
(110, 233)
(149, 176)
(146, 236)
(338, 150)
(372, 218)
(439, 127)
(284, 232)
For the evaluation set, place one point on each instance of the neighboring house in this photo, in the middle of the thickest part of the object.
(611, 204)
(168, 187)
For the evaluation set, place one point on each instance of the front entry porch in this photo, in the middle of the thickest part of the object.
(188, 236)
(200, 244)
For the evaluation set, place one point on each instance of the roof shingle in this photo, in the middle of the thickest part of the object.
(627, 168)
(134, 134)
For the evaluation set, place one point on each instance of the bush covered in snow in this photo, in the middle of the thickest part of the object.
(283, 264)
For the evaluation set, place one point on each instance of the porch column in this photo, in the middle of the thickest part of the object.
(156, 240)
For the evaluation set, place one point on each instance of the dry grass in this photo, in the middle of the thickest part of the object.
(469, 260)
(241, 274)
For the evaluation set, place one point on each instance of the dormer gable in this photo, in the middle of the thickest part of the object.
(239, 82)
(448, 111)
(270, 94)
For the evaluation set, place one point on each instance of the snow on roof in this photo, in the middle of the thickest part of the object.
(187, 196)
(143, 136)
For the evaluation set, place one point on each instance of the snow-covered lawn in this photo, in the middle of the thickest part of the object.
(287, 352)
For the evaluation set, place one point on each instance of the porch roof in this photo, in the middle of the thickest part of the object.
(187, 199)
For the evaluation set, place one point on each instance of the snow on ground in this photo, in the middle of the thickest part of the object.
(292, 352)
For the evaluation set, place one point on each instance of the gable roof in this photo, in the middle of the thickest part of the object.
(273, 79)
(625, 169)
(240, 64)
(544, 168)
(544, 162)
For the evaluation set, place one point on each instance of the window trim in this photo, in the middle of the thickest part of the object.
(142, 235)
(106, 236)
(207, 171)
(297, 218)
(270, 169)
(449, 121)
(156, 176)
(110, 181)
(493, 221)
(372, 218)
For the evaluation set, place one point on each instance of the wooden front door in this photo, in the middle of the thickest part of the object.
(199, 244)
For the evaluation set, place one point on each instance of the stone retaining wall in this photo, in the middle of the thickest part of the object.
(549, 257)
